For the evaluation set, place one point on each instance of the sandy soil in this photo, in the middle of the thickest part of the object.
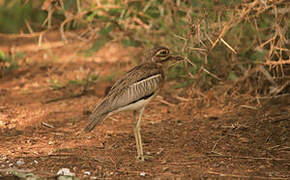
(184, 140)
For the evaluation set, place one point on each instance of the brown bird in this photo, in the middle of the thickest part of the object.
(133, 91)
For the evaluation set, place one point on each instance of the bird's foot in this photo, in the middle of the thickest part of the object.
(143, 158)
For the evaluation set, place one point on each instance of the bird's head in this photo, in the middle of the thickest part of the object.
(159, 54)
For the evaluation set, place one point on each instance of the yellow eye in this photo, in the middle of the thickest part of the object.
(162, 52)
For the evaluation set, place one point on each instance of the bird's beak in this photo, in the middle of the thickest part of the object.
(171, 57)
(177, 58)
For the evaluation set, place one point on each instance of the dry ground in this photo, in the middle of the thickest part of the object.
(216, 140)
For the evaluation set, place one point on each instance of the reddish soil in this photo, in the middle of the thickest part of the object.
(184, 139)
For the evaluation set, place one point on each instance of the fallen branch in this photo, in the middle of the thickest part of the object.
(47, 125)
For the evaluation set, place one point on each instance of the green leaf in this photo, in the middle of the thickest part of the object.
(2, 56)
(106, 30)
(115, 11)
(195, 3)
(68, 4)
(94, 77)
(232, 76)
(76, 82)
(181, 13)
(258, 56)
(153, 12)
(130, 42)
(103, 18)
(19, 55)
(56, 85)
(100, 42)
(103, 38)
(90, 17)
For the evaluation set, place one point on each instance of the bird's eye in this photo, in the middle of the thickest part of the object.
(163, 52)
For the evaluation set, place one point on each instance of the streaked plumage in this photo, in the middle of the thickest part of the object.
(133, 91)
(133, 86)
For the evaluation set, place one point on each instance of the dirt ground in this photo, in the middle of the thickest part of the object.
(41, 134)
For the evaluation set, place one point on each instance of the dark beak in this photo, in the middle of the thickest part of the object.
(171, 57)
(177, 58)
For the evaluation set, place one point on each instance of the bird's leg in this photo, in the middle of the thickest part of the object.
(138, 127)
(136, 133)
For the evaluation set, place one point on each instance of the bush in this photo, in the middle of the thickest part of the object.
(221, 40)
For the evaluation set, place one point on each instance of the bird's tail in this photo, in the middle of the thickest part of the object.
(95, 120)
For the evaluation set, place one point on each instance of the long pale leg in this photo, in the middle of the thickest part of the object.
(138, 127)
(136, 133)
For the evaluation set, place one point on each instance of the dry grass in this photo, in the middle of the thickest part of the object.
(266, 78)
(214, 39)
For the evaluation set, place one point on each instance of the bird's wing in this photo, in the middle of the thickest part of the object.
(139, 83)
(136, 74)
(139, 90)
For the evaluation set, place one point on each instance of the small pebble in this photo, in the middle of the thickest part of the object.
(163, 161)
(3, 158)
(20, 162)
(165, 169)
(143, 174)
(65, 172)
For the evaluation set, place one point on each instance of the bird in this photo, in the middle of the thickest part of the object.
(133, 91)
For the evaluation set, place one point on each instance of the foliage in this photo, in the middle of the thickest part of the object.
(15, 16)
(56, 85)
(90, 79)
(193, 29)
(9, 62)
(220, 39)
